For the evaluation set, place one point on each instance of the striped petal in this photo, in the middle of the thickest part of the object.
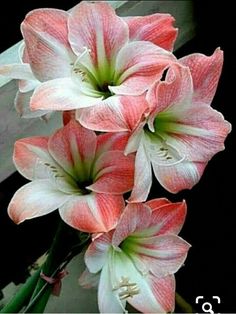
(46, 38)
(97, 27)
(93, 212)
(35, 199)
(156, 28)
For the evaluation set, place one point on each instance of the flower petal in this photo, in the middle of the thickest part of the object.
(30, 156)
(22, 101)
(205, 72)
(88, 280)
(60, 94)
(156, 28)
(163, 255)
(35, 199)
(138, 64)
(114, 114)
(96, 254)
(111, 141)
(177, 177)
(157, 295)
(93, 212)
(108, 301)
(113, 173)
(142, 176)
(134, 218)
(73, 147)
(97, 27)
(46, 38)
(167, 217)
(17, 71)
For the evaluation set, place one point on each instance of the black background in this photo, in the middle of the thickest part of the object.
(210, 226)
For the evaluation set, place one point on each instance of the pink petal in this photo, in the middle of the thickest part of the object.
(30, 156)
(96, 254)
(167, 217)
(46, 38)
(114, 114)
(138, 64)
(111, 141)
(60, 94)
(143, 170)
(163, 255)
(93, 212)
(113, 173)
(17, 71)
(22, 101)
(175, 91)
(135, 217)
(73, 147)
(183, 175)
(88, 280)
(205, 73)
(159, 297)
(157, 28)
(97, 27)
(35, 199)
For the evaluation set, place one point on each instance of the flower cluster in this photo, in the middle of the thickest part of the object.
(130, 108)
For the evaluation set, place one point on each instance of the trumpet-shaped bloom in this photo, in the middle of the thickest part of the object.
(136, 262)
(88, 57)
(81, 174)
(174, 129)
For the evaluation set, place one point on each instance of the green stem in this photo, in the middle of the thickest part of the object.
(183, 304)
(22, 297)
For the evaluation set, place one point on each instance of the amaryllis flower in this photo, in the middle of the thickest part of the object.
(174, 129)
(88, 57)
(81, 174)
(136, 262)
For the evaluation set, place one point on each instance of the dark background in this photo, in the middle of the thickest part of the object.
(210, 226)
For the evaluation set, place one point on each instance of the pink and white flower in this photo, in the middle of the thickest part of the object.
(174, 129)
(81, 174)
(88, 57)
(136, 262)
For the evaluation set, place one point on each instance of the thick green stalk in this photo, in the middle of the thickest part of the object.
(22, 297)
(183, 304)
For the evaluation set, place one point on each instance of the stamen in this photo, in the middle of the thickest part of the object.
(128, 289)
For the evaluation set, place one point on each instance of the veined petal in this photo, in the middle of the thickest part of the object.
(156, 28)
(167, 217)
(96, 254)
(205, 72)
(111, 141)
(114, 114)
(46, 38)
(142, 176)
(163, 255)
(61, 94)
(157, 295)
(73, 147)
(31, 157)
(35, 199)
(17, 71)
(26, 86)
(97, 27)
(93, 212)
(138, 64)
(89, 280)
(175, 93)
(113, 173)
(135, 139)
(22, 101)
(134, 218)
(180, 176)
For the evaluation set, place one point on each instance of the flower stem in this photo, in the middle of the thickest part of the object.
(183, 304)
(22, 297)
